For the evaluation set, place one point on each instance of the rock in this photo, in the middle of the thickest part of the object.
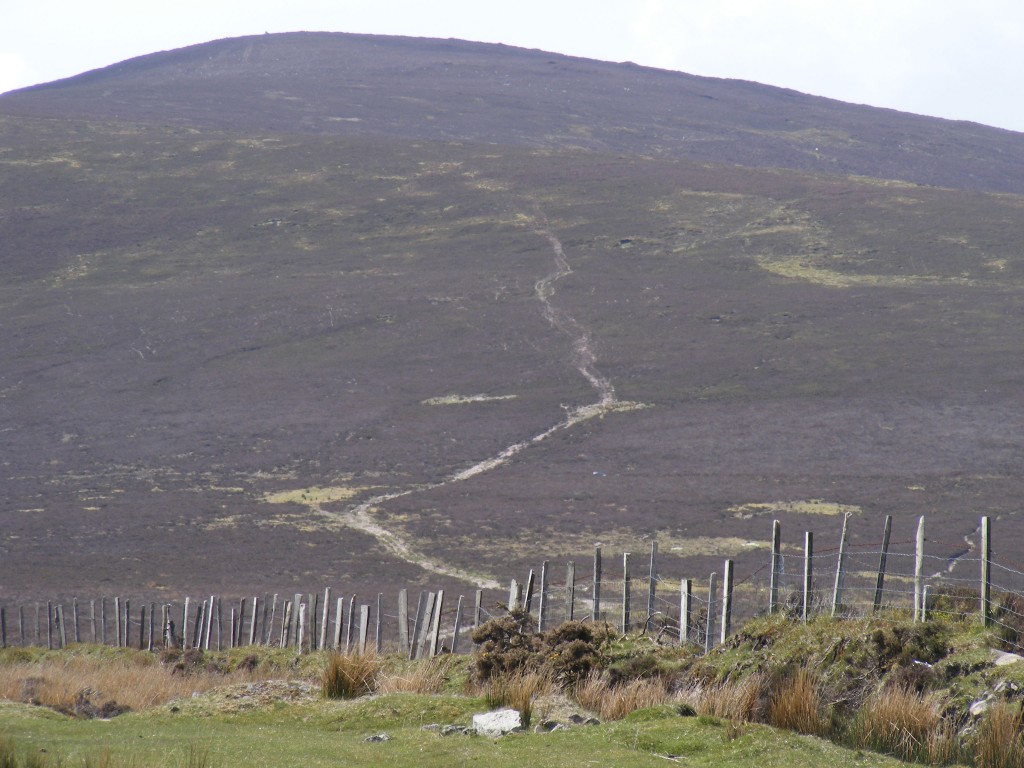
(1002, 658)
(497, 723)
(581, 720)
(456, 730)
(980, 707)
(431, 727)
(547, 726)
(377, 738)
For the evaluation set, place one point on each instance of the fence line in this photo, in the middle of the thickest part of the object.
(847, 580)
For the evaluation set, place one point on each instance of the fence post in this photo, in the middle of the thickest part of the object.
(255, 615)
(417, 621)
(478, 604)
(286, 623)
(103, 619)
(364, 626)
(300, 641)
(625, 592)
(542, 598)
(986, 572)
(61, 635)
(727, 601)
(184, 624)
(351, 623)
(457, 627)
(709, 633)
(3, 627)
(92, 618)
(513, 595)
(837, 592)
(339, 620)
(652, 583)
(21, 626)
(325, 618)
(74, 617)
(149, 634)
(435, 636)
(919, 568)
(685, 598)
(127, 614)
(570, 589)
(268, 630)
(924, 603)
(378, 637)
(880, 580)
(596, 612)
(528, 598)
(424, 640)
(773, 592)
(808, 573)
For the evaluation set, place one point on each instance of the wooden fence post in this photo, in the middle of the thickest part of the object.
(542, 598)
(127, 615)
(103, 621)
(423, 640)
(364, 626)
(296, 602)
(268, 630)
(21, 625)
(117, 621)
(709, 633)
(220, 624)
(300, 640)
(685, 598)
(286, 624)
(3, 627)
(252, 620)
(403, 621)
(727, 601)
(339, 622)
(919, 569)
(74, 618)
(808, 574)
(184, 625)
(351, 623)
(513, 595)
(313, 601)
(92, 618)
(837, 592)
(231, 631)
(264, 620)
(142, 628)
(478, 604)
(325, 618)
(652, 583)
(570, 590)
(986, 572)
(528, 599)
(152, 620)
(378, 635)
(417, 624)
(457, 627)
(596, 612)
(625, 592)
(435, 635)
(776, 565)
(61, 635)
(876, 604)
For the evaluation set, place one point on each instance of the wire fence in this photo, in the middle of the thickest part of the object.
(896, 581)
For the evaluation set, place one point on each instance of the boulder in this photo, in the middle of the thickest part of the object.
(498, 723)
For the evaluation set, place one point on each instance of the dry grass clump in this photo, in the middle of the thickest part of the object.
(102, 687)
(906, 724)
(348, 675)
(729, 700)
(609, 701)
(427, 676)
(518, 690)
(999, 742)
(796, 705)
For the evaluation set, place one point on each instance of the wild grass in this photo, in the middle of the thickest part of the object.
(614, 701)
(999, 742)
(907, 725)
(427, 676)
(349, 675)
(518, 690)
(796, 705)
(728, 700)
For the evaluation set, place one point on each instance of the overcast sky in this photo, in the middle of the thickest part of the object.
(962, 59)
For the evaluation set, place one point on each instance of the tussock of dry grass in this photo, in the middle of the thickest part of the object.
(614, 702)
(729, 700)
(139, 682)
(518, 690)
(348, 675)
(427, 676)
(796, 705)
(1000, 740)
(906, 724)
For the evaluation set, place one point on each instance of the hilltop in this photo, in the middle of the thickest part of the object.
(308, 309)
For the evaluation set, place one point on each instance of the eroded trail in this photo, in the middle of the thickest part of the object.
(360, 516)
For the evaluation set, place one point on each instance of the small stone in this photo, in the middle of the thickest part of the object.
(591, 721)
(980, 707)
(454, 730)
(377, 738)
(1002, 658)
(548, 726)
(576, 719)
(431, 727)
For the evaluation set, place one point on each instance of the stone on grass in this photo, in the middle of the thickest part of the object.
(498, 723)
(377, 738)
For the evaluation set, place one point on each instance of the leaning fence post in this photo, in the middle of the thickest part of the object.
(417, 624)
(776, 564)
(423, 638)
(986, 572)
(570, 589)
(685, 598)
(727, 601)
(652, 582)
(542, 598)
(596, 613)
(625, 592)
(880, 580)
(325, 618)
(837, 592)
(528, 598)
(709, 633)
(456, 628)
(808, 573)
(919, 568)
(435, 636)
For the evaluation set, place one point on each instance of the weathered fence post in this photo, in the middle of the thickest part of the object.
(265, 618)
(296, 602)
(74, 618)
(709, 633)
(252, 620)
(596, 612)
(542, 598)
(286, 624)
(625, 592)
(528, 598)
(103, 620)
(142, 628)
(117, 621)
(435, 635)
(231, 631)
(808, 574)
(570, 590)
(986, 572)
(300, 640)
(184, 624)
(403, 621)
(652, 583)
(378, 635)
(339, 622)
(127, 615)
(220, 624)
(727, 601)
(92, 618)
(325, 618)
(417, 624)
(364, 626)
(152, 620)
(61, 635)
(314, 611)
(919, 569)
(351, 623)
(685, 598)
(513, 595)
(837, 592)
(876, 604)
(423, 638)
(478, 604)
(457, 627)
(924, 603)
(268, 629)
(776, 564)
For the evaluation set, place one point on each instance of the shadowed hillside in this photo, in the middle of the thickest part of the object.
(304, 309)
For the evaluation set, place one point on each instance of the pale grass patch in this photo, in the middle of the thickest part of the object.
(1000, 742)
(729, 700)
(139, 683)
(796, 705)
(427, 676)
(349, 675)
(518, 690)
(614, 702)
(905, 724)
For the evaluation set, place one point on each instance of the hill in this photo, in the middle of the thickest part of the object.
(303, 309)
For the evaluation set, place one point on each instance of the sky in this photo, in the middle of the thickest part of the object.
(960, 59)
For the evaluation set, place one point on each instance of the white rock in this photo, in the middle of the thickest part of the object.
(497, 723)
(1001, 658)
(980, 707)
